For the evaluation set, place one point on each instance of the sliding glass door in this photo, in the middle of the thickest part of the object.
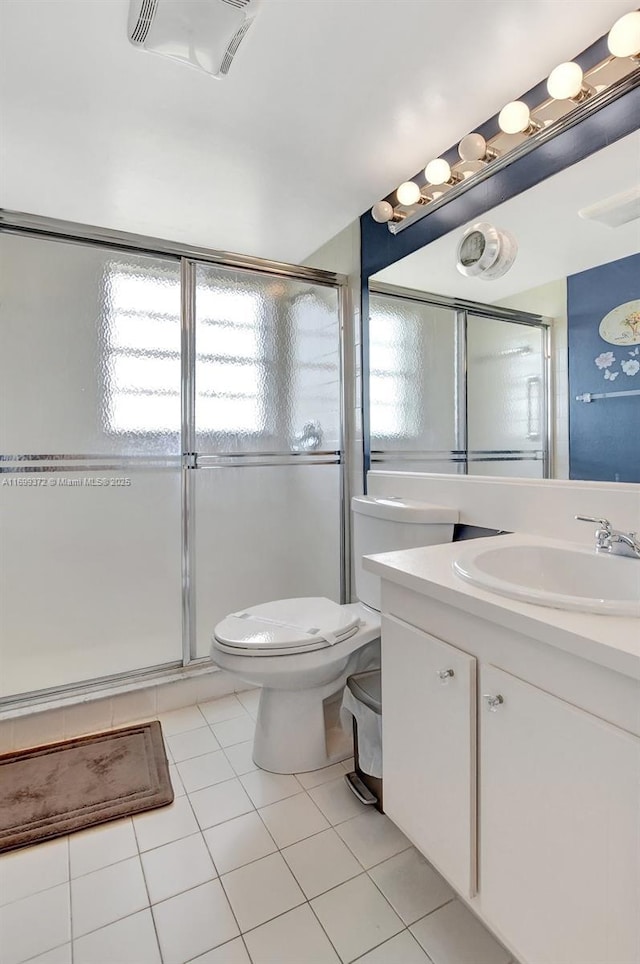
(90, 535)
(454, 388)
(266, 486)
(171, 450)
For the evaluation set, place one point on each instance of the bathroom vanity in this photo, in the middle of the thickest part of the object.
(511, 739)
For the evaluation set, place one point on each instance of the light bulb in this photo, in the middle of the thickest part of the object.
(382, 212)
(408, 193)
(565, 81)
(437, 171)
(473, 147)
(624, 36)
(514, 118)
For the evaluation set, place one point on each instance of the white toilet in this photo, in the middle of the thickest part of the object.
(301, 651)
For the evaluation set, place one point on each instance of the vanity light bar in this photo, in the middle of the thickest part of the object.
(480, 158)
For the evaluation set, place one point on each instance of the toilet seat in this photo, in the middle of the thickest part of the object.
(286, 627)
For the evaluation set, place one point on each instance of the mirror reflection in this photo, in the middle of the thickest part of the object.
(528, 366)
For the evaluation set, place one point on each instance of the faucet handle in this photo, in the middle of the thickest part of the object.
(603, 523)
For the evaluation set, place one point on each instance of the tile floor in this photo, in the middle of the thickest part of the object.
(245, 867)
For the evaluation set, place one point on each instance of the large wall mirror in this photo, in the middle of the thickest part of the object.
(532, 374)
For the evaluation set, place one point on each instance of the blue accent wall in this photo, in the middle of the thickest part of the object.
(604, 435)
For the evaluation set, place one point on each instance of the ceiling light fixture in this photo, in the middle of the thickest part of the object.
(409, 193)
(624, 36)
(439, 172)
(567, 84)
(474, 147)
(515, 118)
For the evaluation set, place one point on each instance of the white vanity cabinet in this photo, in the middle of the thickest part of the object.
(560, 827)
(556, 856)
(430, 783)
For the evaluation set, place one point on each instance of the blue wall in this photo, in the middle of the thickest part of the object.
(604, 435)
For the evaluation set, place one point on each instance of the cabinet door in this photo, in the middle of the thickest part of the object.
(429, 747)
(559, 827)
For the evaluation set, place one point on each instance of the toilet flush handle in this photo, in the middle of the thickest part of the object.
(445, 674)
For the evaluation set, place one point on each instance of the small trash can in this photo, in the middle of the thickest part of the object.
(362, 701)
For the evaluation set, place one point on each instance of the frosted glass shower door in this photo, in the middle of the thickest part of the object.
(416, 411)
(266, 490)
(506, 398)
(90, 533)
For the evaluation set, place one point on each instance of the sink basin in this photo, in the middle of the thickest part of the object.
(560, 577)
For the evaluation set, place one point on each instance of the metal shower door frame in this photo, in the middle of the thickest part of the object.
(461, 310)
(189, 257)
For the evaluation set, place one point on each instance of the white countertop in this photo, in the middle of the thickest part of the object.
(611, 641)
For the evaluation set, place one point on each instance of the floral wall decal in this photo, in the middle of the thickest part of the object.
(630, 367)
(605, 359)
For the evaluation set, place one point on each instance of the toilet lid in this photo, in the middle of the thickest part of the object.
(287, 625)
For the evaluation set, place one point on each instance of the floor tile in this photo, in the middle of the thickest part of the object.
(107, 895)
(411, 885)
(401, 949)
(226, 708)
(315, 778)
(356, 917)
(452, 935)
(293, 938)
(177, 867)
(240, 757)
(372, 837)
(250, 699)
(232, 953)
(223, 802)
(59, 955)
(265, 788)
(348, 765)
(261, 890)
(184, 746)
(234, 731)
(25, 872)
(180, 721)
(293, 819)
(205, 771)
(20, 939)
(128, 941)
(321, 862)
(101, 846)
(165, 824)
(239, 841)
(336, 801)
(194, 922)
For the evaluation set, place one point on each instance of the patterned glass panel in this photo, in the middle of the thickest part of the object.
(412, 351)
(90, 581)
(89, 350)
(267, 363)
(505, 391)
(263, 533)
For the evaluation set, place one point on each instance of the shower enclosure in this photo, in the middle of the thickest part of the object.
(171, 430)
(456, 386)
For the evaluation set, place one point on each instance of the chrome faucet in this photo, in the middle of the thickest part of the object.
(611, 540)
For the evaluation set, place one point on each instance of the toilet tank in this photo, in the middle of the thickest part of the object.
(385, 523)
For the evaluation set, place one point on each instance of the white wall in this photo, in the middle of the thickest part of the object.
(545, 507)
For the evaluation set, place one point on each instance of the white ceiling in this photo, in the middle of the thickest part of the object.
(553, 241)
(329, 104)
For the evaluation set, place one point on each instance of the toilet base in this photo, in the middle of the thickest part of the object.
(291, 734)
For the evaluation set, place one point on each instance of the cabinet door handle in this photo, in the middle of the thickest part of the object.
(493, 702)
(445, 674)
